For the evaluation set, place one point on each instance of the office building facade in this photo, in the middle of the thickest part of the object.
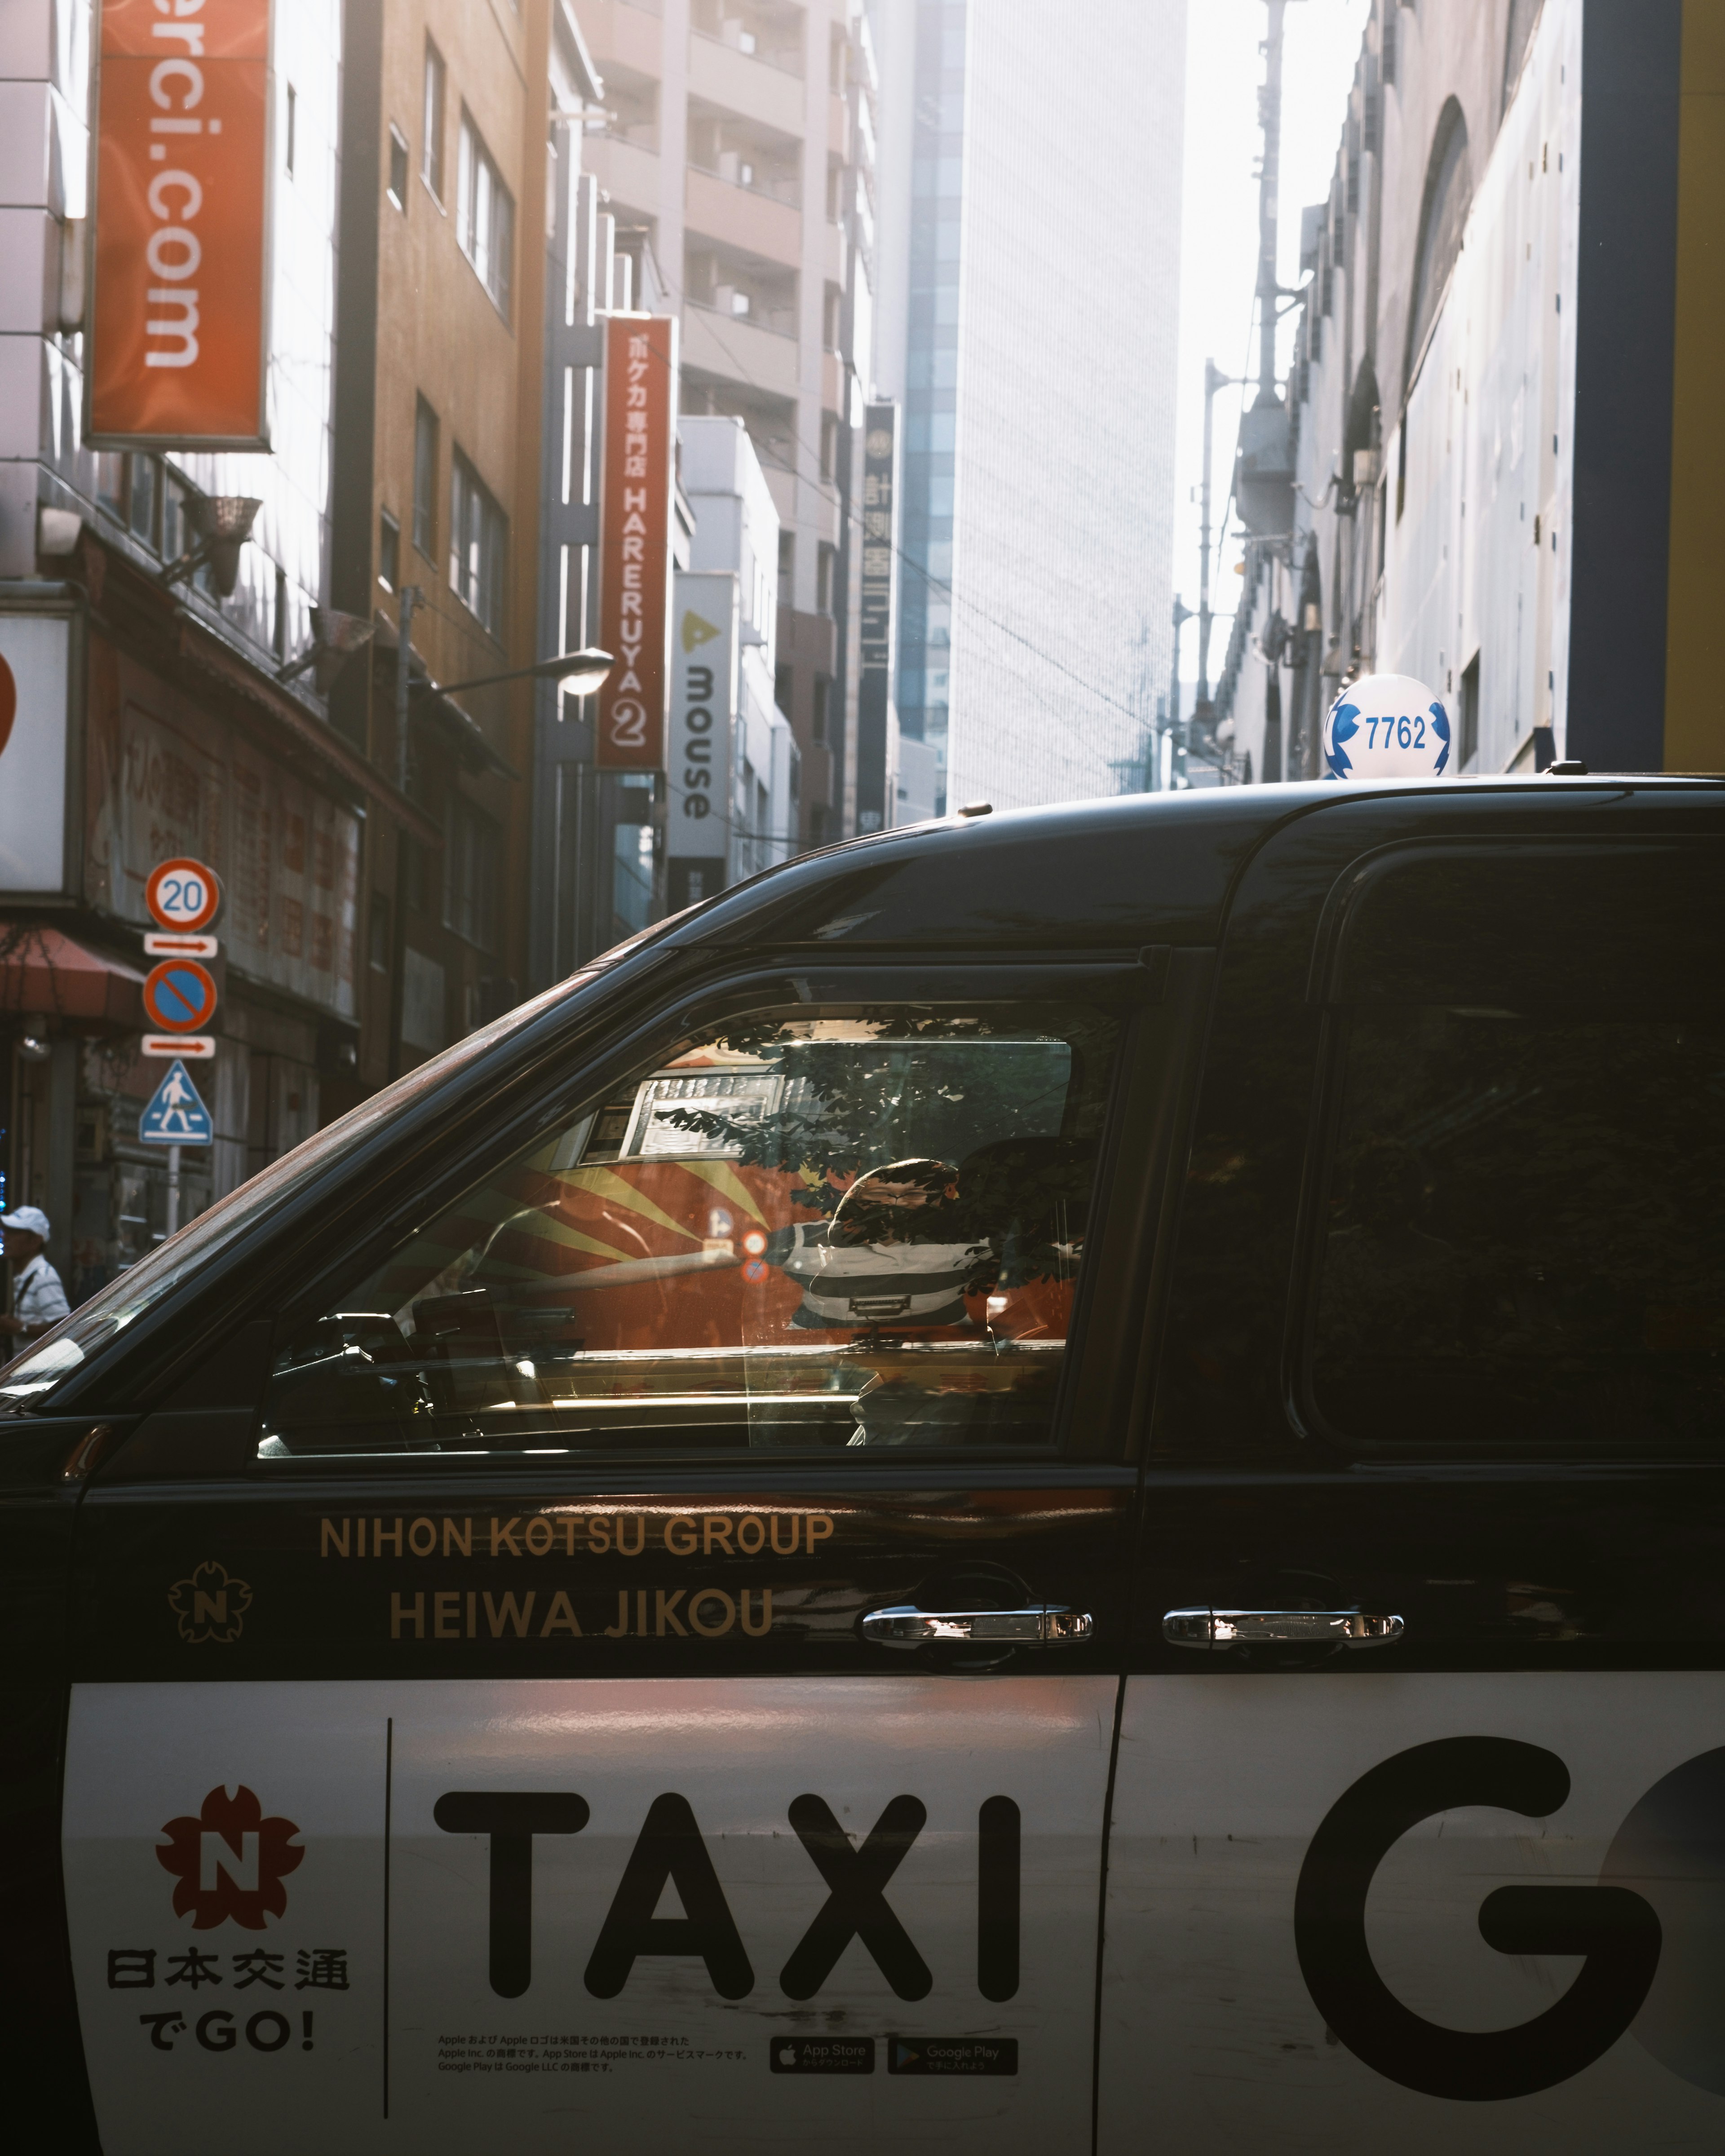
(1030, 188)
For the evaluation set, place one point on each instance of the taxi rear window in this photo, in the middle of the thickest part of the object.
(1521, 1243)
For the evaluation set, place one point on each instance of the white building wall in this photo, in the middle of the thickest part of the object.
(736, 534)
(1487, 452)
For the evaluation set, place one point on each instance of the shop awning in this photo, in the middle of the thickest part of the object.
(44, 974)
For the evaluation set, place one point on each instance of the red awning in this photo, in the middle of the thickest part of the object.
(44, 974)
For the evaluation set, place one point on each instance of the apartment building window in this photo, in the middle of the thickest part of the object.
(431, 154)
(829, 444)
(787, 571)
(479, 538)
(824, 568)
(823, 698)
(388, 551)
(485, 215)
(425, 479)
(397, 167)
(471, 849)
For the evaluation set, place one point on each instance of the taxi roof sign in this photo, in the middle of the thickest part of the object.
(176, 1115)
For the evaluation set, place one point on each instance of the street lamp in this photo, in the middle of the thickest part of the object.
(335, 637)
(577, 674)
(222, 523)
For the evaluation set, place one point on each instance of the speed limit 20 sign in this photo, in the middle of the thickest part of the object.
(184, 894)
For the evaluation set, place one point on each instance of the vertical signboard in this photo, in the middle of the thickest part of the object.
(875, 621)
(635, 537)
(704, 663)
(178, 330)
(35, 658)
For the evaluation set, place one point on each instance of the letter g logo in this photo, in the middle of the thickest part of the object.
(1615, 1928)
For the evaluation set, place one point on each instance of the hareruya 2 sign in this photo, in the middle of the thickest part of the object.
(635, 505)
(180, 295)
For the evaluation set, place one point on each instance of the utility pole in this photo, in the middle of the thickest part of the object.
(1269, 183)
(1213, 380)
(1182, 614)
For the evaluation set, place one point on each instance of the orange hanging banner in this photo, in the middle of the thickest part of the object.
(179, 303)
(635, 508)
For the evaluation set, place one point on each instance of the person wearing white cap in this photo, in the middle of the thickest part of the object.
(37, 1299)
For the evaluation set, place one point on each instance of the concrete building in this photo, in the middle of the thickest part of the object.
(736, 157)
(448, 168)
(1509, 450)
(1028, 289)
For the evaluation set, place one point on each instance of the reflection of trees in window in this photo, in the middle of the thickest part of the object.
(1449, 195)
(1018, 1116)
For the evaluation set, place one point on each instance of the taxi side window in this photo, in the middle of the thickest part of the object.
(796, 1232)
(1519, 1242)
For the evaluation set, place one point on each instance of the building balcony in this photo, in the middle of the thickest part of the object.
(724, 76)
(626, 31)
(744, 218)
(628, 174)
(739, 351)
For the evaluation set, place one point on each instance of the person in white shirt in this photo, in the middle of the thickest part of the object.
(38, 1301)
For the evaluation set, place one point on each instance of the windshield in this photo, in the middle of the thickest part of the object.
(30, 1377)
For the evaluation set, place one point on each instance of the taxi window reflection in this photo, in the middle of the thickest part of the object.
(803, 1233)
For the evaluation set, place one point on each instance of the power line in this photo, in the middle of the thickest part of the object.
(853, 516)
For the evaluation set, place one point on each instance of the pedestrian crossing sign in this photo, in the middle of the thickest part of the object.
(176, 1115)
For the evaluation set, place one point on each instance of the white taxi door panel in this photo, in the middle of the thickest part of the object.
(1334, 1907)
(456, 1915)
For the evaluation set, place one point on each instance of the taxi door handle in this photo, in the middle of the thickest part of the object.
(1045, 1625)
(1213, 1630)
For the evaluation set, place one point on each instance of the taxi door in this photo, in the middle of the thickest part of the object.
(1416, 1834)
(590, 1668)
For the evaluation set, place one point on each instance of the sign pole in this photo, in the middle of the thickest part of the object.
(173, 1188)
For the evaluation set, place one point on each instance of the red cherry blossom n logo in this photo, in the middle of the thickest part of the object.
(230, 1862)
(9, 701)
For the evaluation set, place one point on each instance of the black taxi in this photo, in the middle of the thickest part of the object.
(1050, 1482)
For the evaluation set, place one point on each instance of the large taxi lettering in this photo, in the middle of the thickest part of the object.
(670, 1850)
